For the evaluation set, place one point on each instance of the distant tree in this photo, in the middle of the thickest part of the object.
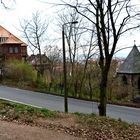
(34, 31)
(75, 34)
(72, 34)
(54, 54)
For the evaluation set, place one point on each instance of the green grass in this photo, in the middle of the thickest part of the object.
(26, 113)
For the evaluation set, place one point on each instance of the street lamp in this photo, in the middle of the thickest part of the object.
(64, 66)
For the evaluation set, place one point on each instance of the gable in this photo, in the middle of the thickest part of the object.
(9, 38)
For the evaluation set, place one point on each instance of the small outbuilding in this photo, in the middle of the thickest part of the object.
(129, 73)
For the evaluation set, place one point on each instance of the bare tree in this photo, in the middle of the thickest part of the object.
(74, 35)
(111, 18)
(54, 54)
(6, 5)
(34, 31)
(89, 51)
(71, 33)
(68, 16)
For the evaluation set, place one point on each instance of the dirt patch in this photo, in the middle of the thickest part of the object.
(14, 131)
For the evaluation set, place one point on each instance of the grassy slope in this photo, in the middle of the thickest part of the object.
(87, 126)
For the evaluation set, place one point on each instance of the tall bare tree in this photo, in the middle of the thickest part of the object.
(111, 18)
(34, 31)
(71, 32)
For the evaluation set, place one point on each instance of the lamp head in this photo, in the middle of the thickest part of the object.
(74, 22)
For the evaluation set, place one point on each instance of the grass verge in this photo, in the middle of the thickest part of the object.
(15, 111)
(88, 126)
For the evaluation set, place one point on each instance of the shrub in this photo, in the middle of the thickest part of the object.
(20, 71)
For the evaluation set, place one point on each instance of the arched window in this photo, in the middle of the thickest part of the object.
(139, 83)
(124, 80)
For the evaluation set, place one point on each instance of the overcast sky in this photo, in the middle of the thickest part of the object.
(19, 10)
(24, 9)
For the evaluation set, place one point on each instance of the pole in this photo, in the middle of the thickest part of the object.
(65, 68)
(64, 72)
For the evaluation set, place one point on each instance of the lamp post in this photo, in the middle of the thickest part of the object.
(64, 66)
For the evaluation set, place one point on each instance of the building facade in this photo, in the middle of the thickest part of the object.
(129, 73)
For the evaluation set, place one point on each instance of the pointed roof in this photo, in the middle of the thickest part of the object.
(131, 65)
(11, 39)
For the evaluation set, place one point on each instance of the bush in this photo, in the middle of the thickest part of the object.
(136, 99)
(40, 84)
(20, 71)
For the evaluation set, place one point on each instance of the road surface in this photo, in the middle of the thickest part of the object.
(52, 102)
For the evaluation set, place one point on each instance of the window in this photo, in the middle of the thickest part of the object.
(11, 50)
(139, 83)
(3, 39)
(16, 50)
(124, 79)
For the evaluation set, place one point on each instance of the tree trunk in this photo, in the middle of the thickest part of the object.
(41, 67)
(103, 94)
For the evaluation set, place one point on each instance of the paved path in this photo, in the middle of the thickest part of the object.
(52, 102)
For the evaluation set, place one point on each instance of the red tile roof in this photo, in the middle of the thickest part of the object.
(12, 39)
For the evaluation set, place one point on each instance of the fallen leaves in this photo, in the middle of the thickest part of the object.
(89, 127)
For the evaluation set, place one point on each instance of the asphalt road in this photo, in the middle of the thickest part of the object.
(51, 102)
